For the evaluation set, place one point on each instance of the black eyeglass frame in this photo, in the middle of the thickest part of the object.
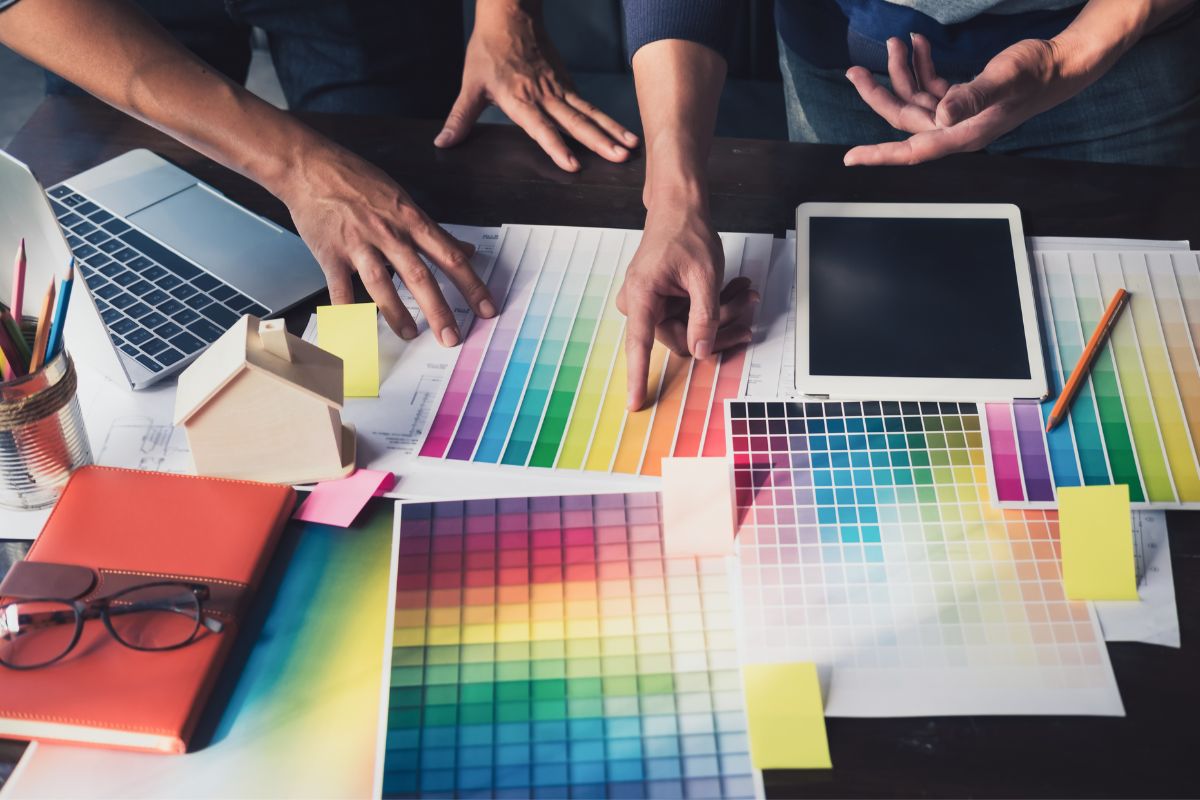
(102, 608)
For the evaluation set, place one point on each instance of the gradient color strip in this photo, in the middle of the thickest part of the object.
(544, 647)
(637, 423)
(520, 361)
(568, 309)
(1160, 377)
(1084, 421)
(1179, 343)
(666, 418)
(458, 387)
(600, 368)
(1156, 474)
(1003, 443)
(1063, 462)
(1034, 466)
(581, 341)
(475, 414)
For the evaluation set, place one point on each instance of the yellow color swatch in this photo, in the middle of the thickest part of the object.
(351, 333)
(786, 716)
(1096, 533)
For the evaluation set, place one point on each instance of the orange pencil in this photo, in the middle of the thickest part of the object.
(1084, 367)
(43, 331)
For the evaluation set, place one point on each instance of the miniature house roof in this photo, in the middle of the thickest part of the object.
(310, 369)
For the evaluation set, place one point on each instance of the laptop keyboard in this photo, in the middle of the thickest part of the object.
(158, 308)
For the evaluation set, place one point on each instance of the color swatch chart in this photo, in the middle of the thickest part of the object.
(1137, 418)
(869, 544)
(544, 647)
(543, 383)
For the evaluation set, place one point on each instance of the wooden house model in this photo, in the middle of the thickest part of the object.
(261, 404)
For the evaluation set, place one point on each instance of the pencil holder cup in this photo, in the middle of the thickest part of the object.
(42, 438)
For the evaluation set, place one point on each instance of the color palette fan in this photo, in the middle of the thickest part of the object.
(1137, 419)
(543, 383)
(544, 647)
(868, 544)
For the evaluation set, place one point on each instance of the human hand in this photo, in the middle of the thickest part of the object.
(670, 293)
(1020, 82)
(355, 218)
(511, 62)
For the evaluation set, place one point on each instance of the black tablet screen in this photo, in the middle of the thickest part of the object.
(914, 298)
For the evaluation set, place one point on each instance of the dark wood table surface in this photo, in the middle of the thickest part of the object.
(500, 176)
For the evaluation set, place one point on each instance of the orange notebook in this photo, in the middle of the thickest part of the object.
(121, 523)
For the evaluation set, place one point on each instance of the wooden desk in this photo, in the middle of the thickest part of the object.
(500, 176)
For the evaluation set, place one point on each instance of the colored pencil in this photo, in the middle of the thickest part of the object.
(13, 365)
(1086, 359)
(13, 328)
(59, 319)
(18, 293)
(43, 330)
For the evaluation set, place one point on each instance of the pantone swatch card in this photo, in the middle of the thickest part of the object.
(543, 383)
(543, 647)
(1136, 420)
(869, 545)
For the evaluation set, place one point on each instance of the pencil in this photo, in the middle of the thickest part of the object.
(13, 366)
(43, 331)
(18, 293)
(13, 329)
(59, 318)
(1083, 367)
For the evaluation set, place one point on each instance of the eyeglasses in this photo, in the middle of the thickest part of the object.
(164, 615)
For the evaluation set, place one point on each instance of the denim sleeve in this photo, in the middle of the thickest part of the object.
(6, 3)
(706, 22)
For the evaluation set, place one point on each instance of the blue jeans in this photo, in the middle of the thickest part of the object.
(1145, 110)
(400, 57)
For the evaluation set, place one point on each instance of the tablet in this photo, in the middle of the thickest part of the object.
(915, 301)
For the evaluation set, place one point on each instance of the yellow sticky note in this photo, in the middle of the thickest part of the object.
(697, 499)
(786, 716)
(351, 333)
(1096, 532)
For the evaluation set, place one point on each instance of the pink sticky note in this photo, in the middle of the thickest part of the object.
(697, 503)
(339, 502)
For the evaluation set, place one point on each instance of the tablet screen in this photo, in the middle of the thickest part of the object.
(914, 298)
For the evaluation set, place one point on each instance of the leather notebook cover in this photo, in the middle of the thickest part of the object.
(120, 523)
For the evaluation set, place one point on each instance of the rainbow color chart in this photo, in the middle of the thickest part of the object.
(1137, 418)
(543, 647)
(543, 383)
(868, 544)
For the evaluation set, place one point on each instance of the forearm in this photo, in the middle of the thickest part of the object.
(1105, 30)
(678, 87)
(113, 50)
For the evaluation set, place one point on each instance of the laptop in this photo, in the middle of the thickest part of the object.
(169, 262)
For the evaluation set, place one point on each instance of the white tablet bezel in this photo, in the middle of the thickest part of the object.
(961, 389)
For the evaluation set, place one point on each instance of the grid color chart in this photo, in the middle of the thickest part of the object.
(543, 647)
(1137, 418)
(868, 544)
(543, 383)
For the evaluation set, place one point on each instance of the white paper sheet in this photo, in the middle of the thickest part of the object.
(1154, 619)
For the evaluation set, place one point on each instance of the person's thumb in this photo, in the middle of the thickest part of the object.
(462, 117)
(964, 101)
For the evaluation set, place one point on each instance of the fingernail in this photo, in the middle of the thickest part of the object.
(449, 336)
(486, 309)
(703, 349)
(443, 137)
(848, 75)
(634, 402)
(630, 138)
(912, 36)
(572, 162)
(619, 151)
(408, 332)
